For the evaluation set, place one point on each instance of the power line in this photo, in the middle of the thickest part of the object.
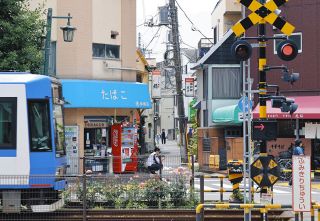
(154, 36)
(191, 21)
(183, 42)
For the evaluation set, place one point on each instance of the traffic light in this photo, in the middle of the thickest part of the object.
(285, 105)
(291, 78)
(241, 49)
(287, 50)
(289, 106)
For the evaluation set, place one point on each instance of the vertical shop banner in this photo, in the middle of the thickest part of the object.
(116, 147)
(189, 87)
(156, 83)
(72, 147)
(301, 185)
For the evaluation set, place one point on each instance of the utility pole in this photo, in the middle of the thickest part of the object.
(178, 75)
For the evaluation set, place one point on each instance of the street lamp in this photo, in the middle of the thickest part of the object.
(68, 33)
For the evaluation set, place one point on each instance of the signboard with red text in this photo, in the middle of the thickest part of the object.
(301, 184)
(189, 86)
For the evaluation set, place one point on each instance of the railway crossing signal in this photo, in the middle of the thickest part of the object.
(242, 50)
(261, 13)
(264, 170)
(287, 50)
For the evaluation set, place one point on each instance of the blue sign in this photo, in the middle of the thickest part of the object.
(244, 102)
(105, 94)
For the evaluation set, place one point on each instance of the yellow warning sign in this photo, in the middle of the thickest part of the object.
(258, 164)
(272, 164)
(272, 178)
(258, 178)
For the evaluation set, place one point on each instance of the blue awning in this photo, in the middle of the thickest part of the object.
(105, 94)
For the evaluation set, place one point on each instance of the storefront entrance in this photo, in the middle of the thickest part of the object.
(97, 143)
(315, 154)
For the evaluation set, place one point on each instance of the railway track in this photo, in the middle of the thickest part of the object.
(139, 215)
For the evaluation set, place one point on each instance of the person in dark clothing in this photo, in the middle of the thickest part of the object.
(298, 151)
(163, 137)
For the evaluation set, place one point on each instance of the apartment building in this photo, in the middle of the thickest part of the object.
(98, 70)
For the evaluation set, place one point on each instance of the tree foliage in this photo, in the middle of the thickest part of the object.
(21, 30)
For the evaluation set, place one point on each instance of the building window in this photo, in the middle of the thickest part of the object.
(296, 37)
(139, 78)
(226, 83)
(105, 51)
(8, 122)
(53, 58)
(205, 118)
(215, 35)
(205, 84)
(206, 145)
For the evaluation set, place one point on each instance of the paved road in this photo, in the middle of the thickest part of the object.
(282, 193)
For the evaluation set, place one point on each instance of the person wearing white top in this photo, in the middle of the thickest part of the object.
(154, 162)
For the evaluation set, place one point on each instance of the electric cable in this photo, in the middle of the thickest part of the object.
(191, 21)
(154, 36)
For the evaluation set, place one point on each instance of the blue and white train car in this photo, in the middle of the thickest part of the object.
(32, 149)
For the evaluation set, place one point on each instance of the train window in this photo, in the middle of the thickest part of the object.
(39, 125)
(59, 130)
(8, 121)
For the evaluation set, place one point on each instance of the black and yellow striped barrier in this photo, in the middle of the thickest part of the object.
(247, 207)
(202, 190)
(262, 13)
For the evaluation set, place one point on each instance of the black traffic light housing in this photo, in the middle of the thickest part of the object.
(285, 105)
(291, 78)
(241, 49)
(287, 50)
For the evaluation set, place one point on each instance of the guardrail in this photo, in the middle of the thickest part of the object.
(221, 190)
(247, 207)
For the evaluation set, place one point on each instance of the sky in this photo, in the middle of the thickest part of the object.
(199, 12)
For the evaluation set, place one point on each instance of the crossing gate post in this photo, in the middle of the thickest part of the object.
(235, 176)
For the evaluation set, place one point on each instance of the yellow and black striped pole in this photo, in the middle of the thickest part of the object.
(235, 176)
(262, 83)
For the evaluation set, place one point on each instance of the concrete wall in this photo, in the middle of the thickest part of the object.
(94, 21)
(227, 12)
(74, 59)
(128, 38)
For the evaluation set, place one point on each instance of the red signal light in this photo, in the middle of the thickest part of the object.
(287, 50)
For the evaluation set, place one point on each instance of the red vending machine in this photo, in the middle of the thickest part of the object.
(124, 148)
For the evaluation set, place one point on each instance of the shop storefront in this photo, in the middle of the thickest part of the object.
(303, 124)
(95, 107)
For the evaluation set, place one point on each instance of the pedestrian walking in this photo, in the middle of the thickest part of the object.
(298, 148)
(297, 151)
(163, 137)
(158, 138)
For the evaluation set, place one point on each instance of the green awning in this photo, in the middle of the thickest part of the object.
(226, 115)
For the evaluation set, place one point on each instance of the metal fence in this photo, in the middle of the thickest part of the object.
(85, 193)
(104, 165)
